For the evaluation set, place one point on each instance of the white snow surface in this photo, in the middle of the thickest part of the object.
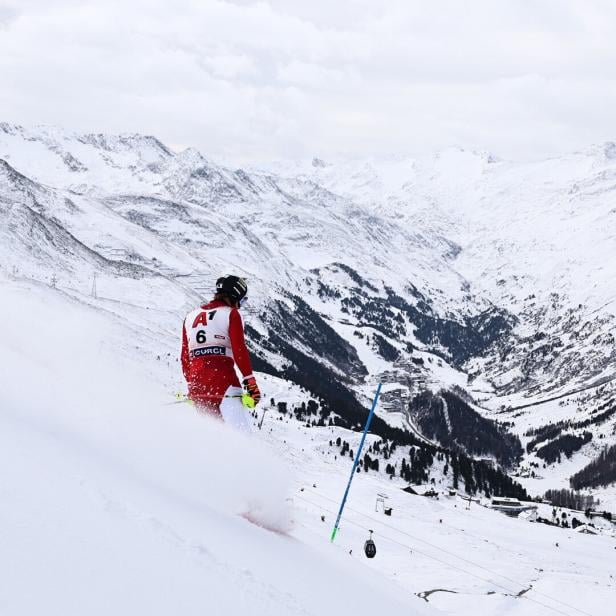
(115, 500)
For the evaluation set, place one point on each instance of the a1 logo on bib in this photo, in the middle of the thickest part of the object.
(201, 319)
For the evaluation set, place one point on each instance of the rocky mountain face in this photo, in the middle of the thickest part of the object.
(485, 282)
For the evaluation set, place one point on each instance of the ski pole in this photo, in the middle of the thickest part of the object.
(181, 398)
(361, 445)
(262, 418)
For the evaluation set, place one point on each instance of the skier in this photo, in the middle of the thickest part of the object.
(212, 345)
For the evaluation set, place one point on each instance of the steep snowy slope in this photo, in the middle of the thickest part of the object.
(116, 501)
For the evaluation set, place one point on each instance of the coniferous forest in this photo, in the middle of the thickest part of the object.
(600, 472)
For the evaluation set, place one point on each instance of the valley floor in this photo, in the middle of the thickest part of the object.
(461, 560)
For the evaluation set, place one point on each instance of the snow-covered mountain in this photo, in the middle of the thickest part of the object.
(487, 279)
(421, 274)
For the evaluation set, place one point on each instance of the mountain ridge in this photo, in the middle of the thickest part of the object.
(399, 261)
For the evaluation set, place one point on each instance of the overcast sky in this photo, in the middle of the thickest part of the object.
(252, 81)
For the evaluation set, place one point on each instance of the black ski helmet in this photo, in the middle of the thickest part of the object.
(233, 287)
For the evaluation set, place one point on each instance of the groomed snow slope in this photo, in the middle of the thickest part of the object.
(115, 503)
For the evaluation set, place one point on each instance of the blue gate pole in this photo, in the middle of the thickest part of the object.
(361, 445)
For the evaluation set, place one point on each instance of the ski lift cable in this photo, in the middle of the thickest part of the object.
(452, 566)
(458, 568)
(595, 310)
(436, 547)
(466, 560)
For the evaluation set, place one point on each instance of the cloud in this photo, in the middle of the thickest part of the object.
(250, 81)
(7, 15)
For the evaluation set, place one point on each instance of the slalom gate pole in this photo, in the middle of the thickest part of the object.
(361, 445)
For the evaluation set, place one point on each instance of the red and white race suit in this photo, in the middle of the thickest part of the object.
(212, 344)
